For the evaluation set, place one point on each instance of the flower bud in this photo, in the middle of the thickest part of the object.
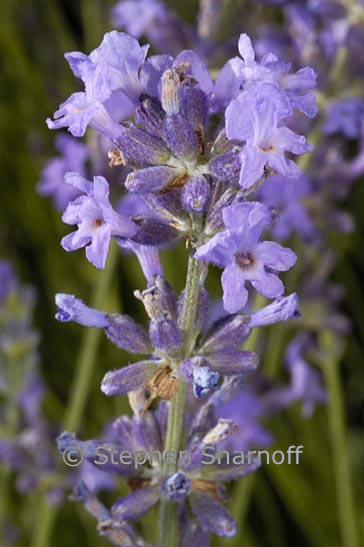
(196, 195)
(125, 333)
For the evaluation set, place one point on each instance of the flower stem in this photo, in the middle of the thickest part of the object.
(343, 480)
(168, 516)
(80, 388)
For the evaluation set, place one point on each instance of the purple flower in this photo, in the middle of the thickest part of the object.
(238, 251)
(70, 308)
(121, 330)
(73, 155)
(286, 199)
(212, 514)
(203, 371)
(282, 309)
(96, 220)
(176, 487)
(111, 77)
(346, 117)
(204, 381)
(255, 117)
(147, 255)
(125, 379)
(94, 479)
(241, 74)
(135, 504)
(306, 382)
(137, 16)
(8, 281)
(247, 411)
(153, 19)
(118, 61)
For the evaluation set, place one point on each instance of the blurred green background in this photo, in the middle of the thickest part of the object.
(282, 505)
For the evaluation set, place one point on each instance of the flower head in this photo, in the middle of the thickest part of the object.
(240, 74)
(96, 220)
(73, 156)
(255, 117)
(238, 250)
(113, 82)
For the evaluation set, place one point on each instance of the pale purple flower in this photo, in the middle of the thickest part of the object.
(286, 199)
(204, 381)
(240, 74)
(73, 156)
(70, 308)
(111, 75)
(237, 249)
(176, 487)
(8, 281)
(346, 117)
(306, 382)
(118, 61)
(96, 219)
(255, 117)
(247, 411)
(153, 19)
(147, 255)
(282, 309)
(121, 330)
(137, 16)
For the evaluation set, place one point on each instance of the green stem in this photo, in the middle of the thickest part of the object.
(80, 388)
(175, 422)
(168, 510)
(343, 481)
(190, 304)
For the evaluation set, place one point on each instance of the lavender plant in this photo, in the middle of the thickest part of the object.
(28, 461)
(197, 152)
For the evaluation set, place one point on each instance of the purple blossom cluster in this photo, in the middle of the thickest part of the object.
(218, 162)
(198, 155)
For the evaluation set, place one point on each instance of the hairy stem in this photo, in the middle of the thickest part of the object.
(168, 510)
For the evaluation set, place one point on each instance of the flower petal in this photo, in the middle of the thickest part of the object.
(135, 504)
(235, 293)
(275, 256)
(125, 379)
(212, 514)
(269, 285)
(219, 250)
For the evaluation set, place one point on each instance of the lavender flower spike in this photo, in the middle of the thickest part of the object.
(96, 219)
(238, 251)
(70, 308)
